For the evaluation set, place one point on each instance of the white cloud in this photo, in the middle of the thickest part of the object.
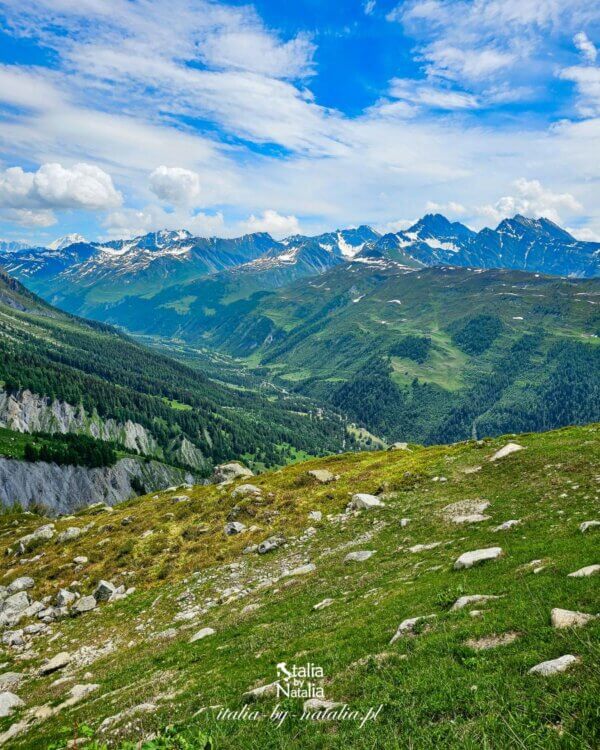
(27, 217)
(273, 223)
(585, 45)
(53, 186)
(175, 185)
(369, 7)
(587, 80)
(533, 200)
(452, 208)
(129, 222)
(585, 234)
(398, 225)
(420, 93)
(257, 51)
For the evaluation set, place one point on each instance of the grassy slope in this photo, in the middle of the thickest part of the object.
(436, 691)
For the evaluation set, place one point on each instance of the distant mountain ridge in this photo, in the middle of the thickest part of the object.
(86, 277)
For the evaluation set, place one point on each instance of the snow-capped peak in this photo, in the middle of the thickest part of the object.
(68, 239)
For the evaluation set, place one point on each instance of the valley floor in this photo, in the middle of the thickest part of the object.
(457, 678)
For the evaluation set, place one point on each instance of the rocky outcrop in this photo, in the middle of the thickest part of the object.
(27, 412)
(185, 452)
(62, 489)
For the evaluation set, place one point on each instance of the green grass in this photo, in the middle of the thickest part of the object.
(436, 691)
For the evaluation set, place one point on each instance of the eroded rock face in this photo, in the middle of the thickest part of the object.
(62, 489)
(27, 412)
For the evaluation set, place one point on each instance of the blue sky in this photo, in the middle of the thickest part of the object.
(124, 116)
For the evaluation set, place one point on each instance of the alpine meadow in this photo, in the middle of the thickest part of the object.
(299, 375)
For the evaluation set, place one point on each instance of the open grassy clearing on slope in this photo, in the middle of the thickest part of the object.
(437, 690)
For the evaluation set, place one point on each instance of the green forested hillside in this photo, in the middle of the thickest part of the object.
(437, 354)
(56, 355)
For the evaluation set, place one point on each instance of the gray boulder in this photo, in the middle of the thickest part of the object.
(60, 661)
(234, 527)
(69, 534)
(469, 559)
(359, 556)
(20, 584)
(364, 501)
(229, 472)
(8, 702)
(104, 590)
(554, 666)
(85, 604)
(322, 475)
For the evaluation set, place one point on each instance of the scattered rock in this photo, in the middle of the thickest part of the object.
(104, 590)
(554, 666)
(363, 501)
(249, 608)
(468, 559)
(80, 560)
(85, 604)
(323, 604)
(492, 641)
(78, 692)
(41, 534)
(247, 490)
(588, 525)
(566, 618)
(407, 627)
(270, 544)
(204, 633)
(229, 472)
(464, 601)
(589, 570)
(301, 571)
(466, 511)
(12, 608)
(421, 547)
(506, 451)
(165, 635)
(399, 447)
(180, 499)
(64, 598)
(263, 691)
(234, 527)
(10, 680)
(20, 584)
(507, 525)
(315, 515)
(404, 522)
(60, 661)
(322, 475)
(69, 534)
(8, 702)
(359, 556)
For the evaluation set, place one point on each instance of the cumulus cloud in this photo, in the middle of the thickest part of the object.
(27, 217)
(53, 186)
(585, 45)
(531, 199)
(369, 7)
(273, 223)
(175, 185)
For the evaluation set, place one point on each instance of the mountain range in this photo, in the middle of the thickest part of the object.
(85, 277)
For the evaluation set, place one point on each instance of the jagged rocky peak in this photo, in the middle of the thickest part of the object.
(522, 226)
(437, 225)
